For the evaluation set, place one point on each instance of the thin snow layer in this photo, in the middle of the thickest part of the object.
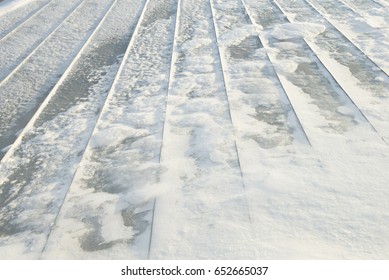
(11, 18)
(373, 12)
(358, 75)
(26, 86)
(55, 141)
(29, 36)
(369, 34)
(235, 130)
(119, 170)
(8, 6)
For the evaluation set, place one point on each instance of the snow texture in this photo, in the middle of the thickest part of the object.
(194, 129)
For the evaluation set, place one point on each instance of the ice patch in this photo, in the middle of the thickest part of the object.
(297, 30)
(147, 192)
(345, 111)
(376, 21)
(115, 135)
(380, 79)
(5, 149)
(237, 35)
(196, 44)
(285, 66)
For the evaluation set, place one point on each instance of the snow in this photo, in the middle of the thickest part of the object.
(8, 6)
(186, 129)
(297, 30)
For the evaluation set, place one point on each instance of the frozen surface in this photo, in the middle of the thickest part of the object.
(194, 129)
(10, 18)
(27, 85)
(7, 6)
